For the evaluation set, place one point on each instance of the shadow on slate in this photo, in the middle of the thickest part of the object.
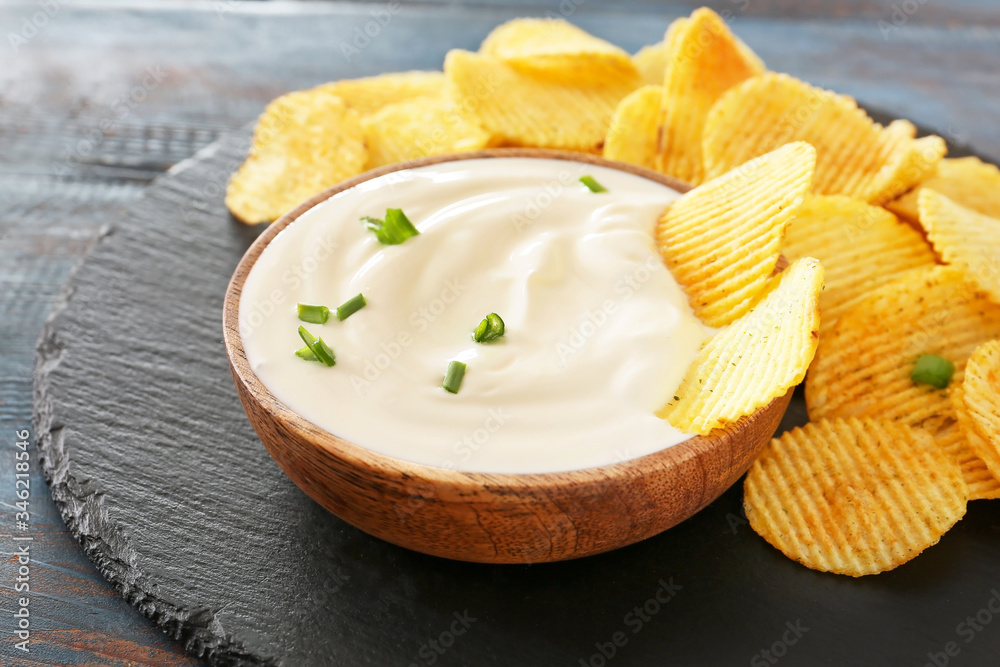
(160, 476)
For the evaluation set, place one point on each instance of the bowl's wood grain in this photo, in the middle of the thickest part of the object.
(491, 518)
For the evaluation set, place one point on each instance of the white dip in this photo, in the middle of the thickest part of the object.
(598, 333)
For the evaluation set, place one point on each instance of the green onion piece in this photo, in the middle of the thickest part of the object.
(395, 229)
(592, 184)
(351, 306)
(313, 314)
(318, 347)
(933, 370)
(307, 337)
(453, 377)
(489, 329)
(305, 353)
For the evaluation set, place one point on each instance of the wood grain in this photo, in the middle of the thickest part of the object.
(223, 66)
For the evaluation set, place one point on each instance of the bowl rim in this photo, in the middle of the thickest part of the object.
(390, 466)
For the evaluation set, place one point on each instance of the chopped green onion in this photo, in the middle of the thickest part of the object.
(305, 353)
(489, 329)
(453, 377)
(395, 229)
(318, 347)
(933, 370)
(351, 306)
(592, 184)
(313, 314)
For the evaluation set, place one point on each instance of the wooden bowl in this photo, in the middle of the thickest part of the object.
(485, 517)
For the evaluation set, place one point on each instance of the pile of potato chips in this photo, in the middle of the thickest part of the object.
(788, 176)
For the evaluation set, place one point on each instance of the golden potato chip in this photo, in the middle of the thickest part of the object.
(863, 365)
(722, 240)
(704, 60)
(908, 162)
(524, 110)
(370, 94)
(981, 482)
(862, 247)
(304, 143)
(558, 49)
(964, 238)
(980, 398)
(651, 61)
(967, 181)
(754, 360)
(419, 128)
(902, 128)
(632, 135)
(855, 156)
(853, 496)
(976, 455)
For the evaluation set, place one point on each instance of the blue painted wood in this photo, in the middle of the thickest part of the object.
(99, 101)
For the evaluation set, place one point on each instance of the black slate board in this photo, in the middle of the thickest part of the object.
(161, 478)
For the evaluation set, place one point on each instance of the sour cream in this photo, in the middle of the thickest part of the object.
(598, 332)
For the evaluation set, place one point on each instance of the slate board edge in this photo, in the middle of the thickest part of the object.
(83, 510)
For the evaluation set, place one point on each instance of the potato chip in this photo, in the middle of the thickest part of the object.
(558, 49)
(908, 162)
(902, 128)
(862, 247)
(632, 135)
(977, 456)
(983, 484)
(980, 398)
(967, 181)
(855, 156)
(419, 128)
(722, 240)
(964, 238)
(953, 441)
(651, 61)
(853, 496)
(523, 110)
(863, 365)
(754, 360)
(304, 143)
(704, 60)
(370, 94)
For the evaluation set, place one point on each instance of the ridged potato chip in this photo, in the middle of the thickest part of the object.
(754, 360)
(968, 240)
(902, 128)
(419, 128)
(632, 135)
(863, 365)
(722, 240)
(524, 110)
(368, 95)
(982, 483)
(304, 142)
(854, 496)
(979, 446)
(862, 247)
(652, 60)
(651, 63)
(855, 156)
(967, 181)
(704, 60)
(980, 397)
(555, 48)
(908, 162)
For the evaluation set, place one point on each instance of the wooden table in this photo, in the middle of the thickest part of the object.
(97, 98)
